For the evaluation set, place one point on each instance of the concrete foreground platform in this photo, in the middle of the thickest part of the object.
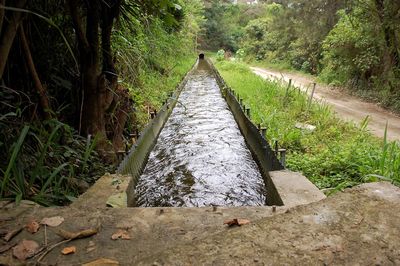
(357, 227)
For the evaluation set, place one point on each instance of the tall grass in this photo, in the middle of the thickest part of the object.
(151, 62)
(46, 162)
(335, 155)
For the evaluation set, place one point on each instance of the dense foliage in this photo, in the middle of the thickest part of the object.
(225, 23)
(348, 43)
(77, 79)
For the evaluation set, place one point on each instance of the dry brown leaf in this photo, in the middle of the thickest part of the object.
(123, 234)
(68, 250)
(52, 221)
(25, 249)
(102, 262)
(236, 221)
(243, 221)
(32, 227)
(11, 234)
(76, 235)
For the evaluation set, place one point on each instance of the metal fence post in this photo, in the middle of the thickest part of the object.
(311, 95)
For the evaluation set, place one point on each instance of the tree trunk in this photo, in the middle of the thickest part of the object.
(93, 84)
(99, 78)
(96, 96)
(44, 100)
(121, 116)
(110, 10)
(2, 12)
(389, 33)
(8, 34)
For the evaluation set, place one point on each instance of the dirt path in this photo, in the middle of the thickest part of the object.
(346, 106)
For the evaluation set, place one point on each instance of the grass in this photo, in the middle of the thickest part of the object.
(335, 155)
(156, 87)
(48, 161)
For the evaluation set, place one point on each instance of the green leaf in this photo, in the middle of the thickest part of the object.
(14, 156)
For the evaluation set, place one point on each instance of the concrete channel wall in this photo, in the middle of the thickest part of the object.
(279, 182)
(264, 156)
(134, 163)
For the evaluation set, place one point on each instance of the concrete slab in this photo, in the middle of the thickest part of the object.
(105, 187)
(359, 226)
(151, 229)
(294, 188)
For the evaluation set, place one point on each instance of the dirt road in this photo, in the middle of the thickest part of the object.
(346, 106)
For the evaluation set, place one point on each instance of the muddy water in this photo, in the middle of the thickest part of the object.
(200, 158)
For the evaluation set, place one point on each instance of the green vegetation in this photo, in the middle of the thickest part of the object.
(77, 78)
(225, 24)
(49, 163)
(355, 44)
(334, 156)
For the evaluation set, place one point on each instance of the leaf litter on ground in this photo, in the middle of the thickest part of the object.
(25, 249)
(121, 234)
(32, 227)
(68, 250)
(237, 222)
(10, 235)
(75, 235)
(69, 236)
(52, 221)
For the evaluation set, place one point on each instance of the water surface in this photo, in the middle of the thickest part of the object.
(200, 158)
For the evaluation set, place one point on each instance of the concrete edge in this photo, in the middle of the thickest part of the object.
(294, 188)
(107, 187)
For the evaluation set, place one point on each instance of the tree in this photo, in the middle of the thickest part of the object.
(9, 23)
(98, 75)
(363, 46)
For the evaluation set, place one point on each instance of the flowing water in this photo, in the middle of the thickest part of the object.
(200, 158)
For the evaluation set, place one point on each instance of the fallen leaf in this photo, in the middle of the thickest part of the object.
(238, 222)
(25, 249)
(102, 262)
(76, 235)
(123, 234)
(52, 221)
(11, 234)
(68, 250)
(243, 221)
(32, 227)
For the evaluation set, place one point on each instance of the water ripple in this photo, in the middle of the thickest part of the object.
(200, 158)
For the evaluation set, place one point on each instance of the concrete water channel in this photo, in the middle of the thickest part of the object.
(200, 158)
(201, 149)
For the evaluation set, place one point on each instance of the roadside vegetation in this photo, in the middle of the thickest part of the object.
(77, 80)
(353, 44)
(335, 155)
